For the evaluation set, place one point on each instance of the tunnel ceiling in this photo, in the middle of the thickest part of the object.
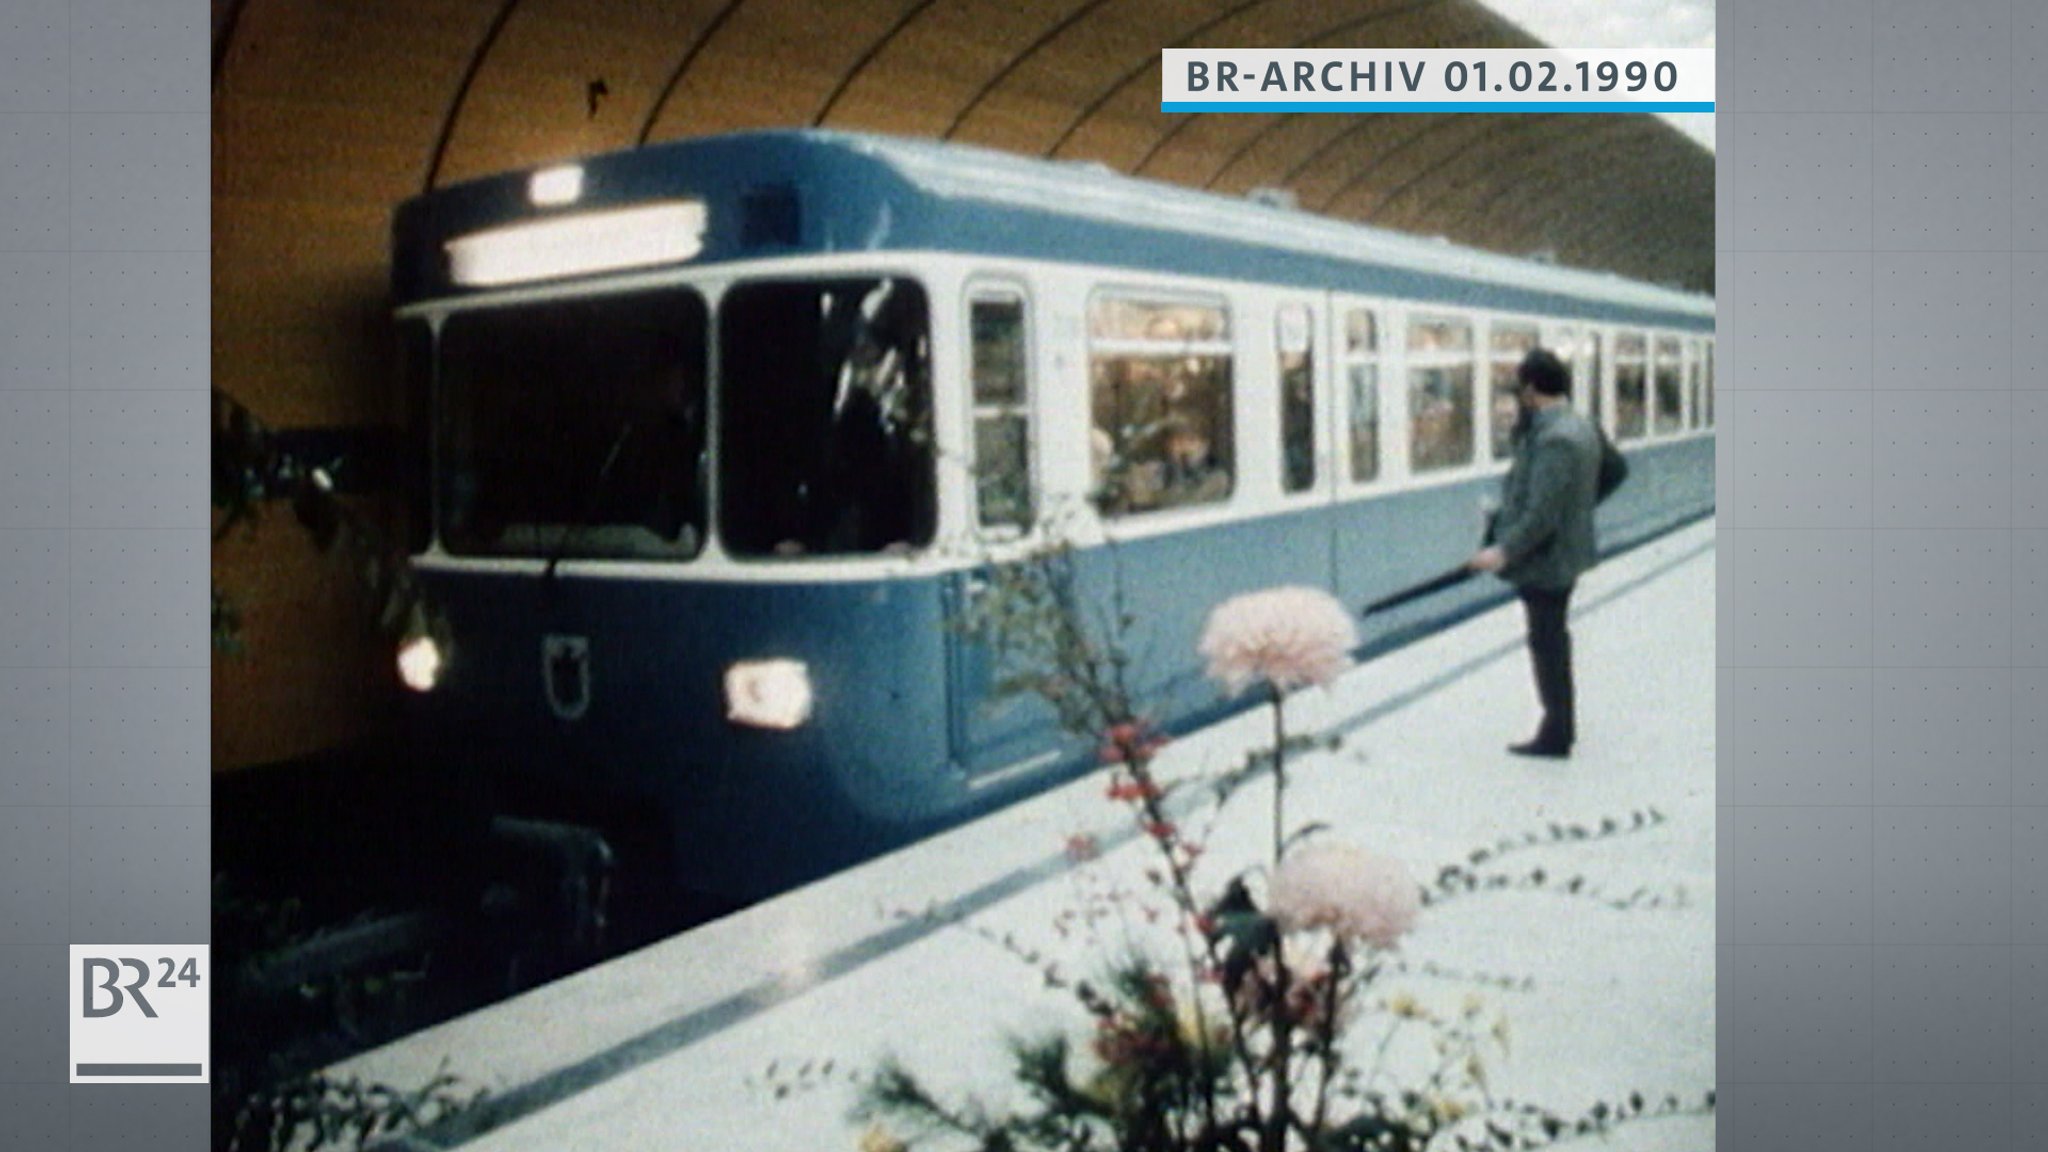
(329, 112)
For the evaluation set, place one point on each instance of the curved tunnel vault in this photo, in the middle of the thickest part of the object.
(327, 113)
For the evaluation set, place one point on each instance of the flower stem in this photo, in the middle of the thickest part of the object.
(1274, 1138)
(1151, 811)
(1279, 776)
(1332, 1059)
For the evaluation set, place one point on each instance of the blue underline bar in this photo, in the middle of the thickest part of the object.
(1432, 106)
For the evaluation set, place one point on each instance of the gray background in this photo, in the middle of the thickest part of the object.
(103, 533)
(1883, 260)
(1883, 235)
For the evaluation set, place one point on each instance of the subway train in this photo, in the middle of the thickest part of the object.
(726, 433)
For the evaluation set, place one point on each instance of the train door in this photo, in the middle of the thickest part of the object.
(1365, 416)
(993, 732)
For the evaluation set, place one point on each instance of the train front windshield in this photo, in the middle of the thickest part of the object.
(578, 428)
(575, 428)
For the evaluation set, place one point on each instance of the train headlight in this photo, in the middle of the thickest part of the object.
(420, 663)
(768, 693)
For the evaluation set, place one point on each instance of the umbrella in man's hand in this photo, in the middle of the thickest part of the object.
(1429, 587)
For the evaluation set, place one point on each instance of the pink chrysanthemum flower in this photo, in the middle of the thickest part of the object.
(1354, 893)
(1288, 637)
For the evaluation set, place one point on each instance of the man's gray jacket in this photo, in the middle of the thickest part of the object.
(1545, 524)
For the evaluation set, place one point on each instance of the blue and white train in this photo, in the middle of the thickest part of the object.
(725, 430)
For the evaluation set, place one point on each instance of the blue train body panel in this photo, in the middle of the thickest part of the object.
(907, 726)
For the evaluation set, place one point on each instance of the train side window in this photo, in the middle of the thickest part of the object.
(825, 441)
(1509, 344)
(1589, 379)
(1294, 343)
(1693, 367)
(1710, 384)
(1002, 412)
(1362, 370)
(1159, 373)
(1567, 344)
(1580, 351)
(1670, 396)
(1630, 376)
(1440, 363)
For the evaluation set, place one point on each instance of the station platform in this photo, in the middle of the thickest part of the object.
(750, 1032)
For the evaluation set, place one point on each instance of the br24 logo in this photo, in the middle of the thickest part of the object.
(111, 968)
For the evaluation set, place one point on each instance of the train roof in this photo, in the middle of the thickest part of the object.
(800, 191)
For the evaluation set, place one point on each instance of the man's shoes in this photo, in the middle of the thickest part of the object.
(1542, 749)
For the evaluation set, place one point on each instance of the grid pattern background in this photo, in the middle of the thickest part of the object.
(103, 533)
(1882, 235)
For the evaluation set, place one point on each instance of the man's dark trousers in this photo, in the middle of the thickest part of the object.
(1550, 651)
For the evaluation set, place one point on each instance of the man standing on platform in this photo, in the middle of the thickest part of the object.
(1543, 535)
